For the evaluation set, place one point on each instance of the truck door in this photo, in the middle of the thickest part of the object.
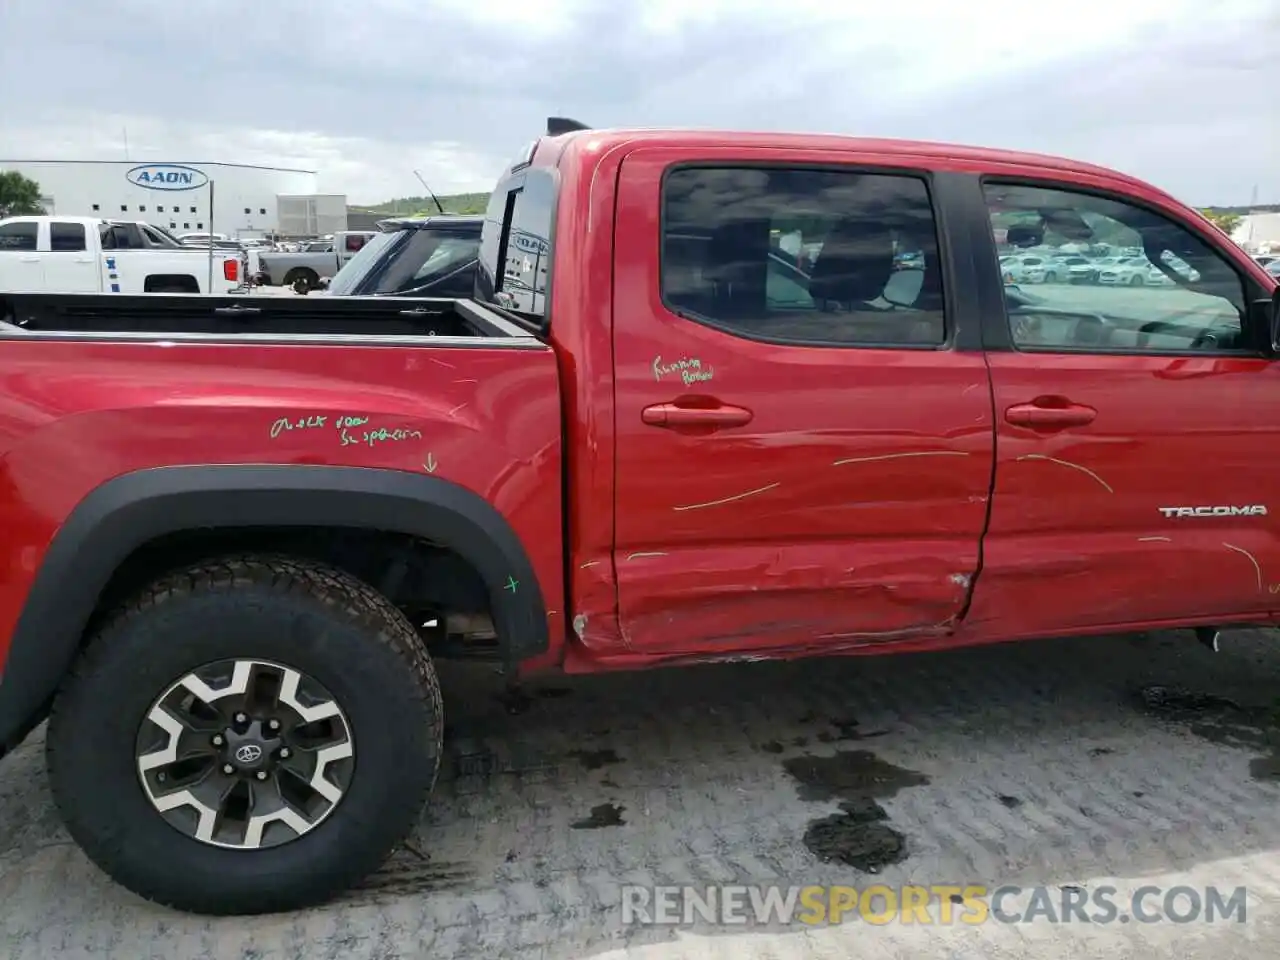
(70, 263)
(21, 266)
(803, 415)
(1138, 420)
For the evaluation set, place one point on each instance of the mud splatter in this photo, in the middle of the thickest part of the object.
(604, 815)
(410, 873)
(595, 759)
(859, 835)
(1221, 721)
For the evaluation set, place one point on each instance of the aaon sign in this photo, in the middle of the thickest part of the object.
(166, 176)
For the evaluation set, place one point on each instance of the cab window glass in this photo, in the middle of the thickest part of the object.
(1092, 273)
(837, 257)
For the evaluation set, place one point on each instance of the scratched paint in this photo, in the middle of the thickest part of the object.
(901, 456)
(732, 499)
(430, 463)
(1257, 568)
(1067, 463)
(690, 369)
(638, 556)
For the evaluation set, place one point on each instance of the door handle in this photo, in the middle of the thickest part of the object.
(1040, 415)
(29, 259)
(84, 260)
(674, 415)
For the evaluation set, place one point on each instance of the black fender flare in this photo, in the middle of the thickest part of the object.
(128, 511)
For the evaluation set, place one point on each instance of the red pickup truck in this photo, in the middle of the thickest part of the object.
(717, 396)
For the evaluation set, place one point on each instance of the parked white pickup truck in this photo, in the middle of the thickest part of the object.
(86, 255)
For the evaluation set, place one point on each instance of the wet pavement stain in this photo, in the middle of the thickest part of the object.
(604, 815)
(859, 835)
(773, 746)
(595, 759)
(1101, 752)
(847, 729)
(1220, 721)
(1013, 803)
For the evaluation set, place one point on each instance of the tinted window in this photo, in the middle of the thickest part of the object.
(817, 256)
(428, 258)
(358, 267)
(66, 237)
(515, 246)
(18, 236)
(1147, 284)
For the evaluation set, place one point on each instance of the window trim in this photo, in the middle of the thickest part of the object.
(1007, 342)
(937, 203)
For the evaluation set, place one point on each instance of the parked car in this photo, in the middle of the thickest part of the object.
(414, 257)
(1023, 269)
(89, 255)
(235, 560)
(1070, 269)
(1132, 271)
(304, 269)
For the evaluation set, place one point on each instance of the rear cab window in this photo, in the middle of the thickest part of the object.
(516, 243)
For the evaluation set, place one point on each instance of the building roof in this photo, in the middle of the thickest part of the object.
(187, 163)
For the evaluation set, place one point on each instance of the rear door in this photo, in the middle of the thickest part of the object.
(70, 263)
(804, 433)
(1138, 423)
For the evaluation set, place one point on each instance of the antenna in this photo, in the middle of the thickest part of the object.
(559, 125)
(428, 189)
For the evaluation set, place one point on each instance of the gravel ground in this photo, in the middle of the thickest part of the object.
(1122, 761)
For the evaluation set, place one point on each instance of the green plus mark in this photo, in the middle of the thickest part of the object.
(512, 583)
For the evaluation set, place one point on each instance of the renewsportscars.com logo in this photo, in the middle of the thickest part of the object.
(938, 904)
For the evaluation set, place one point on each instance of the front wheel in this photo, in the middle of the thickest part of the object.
(1136, 280)
(249, 736)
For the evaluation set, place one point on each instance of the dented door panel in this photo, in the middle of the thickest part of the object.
(1160, 509)
(848, 508)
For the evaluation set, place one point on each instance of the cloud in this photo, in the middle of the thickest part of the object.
(1176, 91)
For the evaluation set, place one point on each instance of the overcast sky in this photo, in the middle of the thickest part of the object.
(1185, 93)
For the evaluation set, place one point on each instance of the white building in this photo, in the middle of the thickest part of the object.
(247, 200)
(1258, 232)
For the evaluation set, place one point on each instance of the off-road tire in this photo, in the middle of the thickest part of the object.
(302, 276)
(315, 619)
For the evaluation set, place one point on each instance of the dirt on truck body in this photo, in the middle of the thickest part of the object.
(716, 397)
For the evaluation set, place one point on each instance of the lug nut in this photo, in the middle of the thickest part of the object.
(262, 774)
(273, 724)
(242, 718)
(284, 753)
(228, 768)
(217, 739)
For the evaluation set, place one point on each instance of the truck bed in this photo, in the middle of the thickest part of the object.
(177, 314)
